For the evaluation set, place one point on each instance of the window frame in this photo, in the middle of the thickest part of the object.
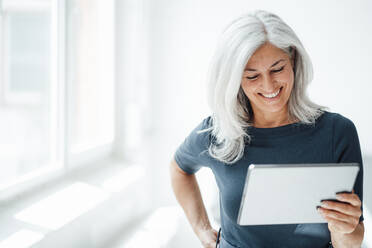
(62, 159)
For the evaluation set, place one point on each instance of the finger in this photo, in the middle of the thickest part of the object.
(351, 198)
(339, 216)
(344, 208)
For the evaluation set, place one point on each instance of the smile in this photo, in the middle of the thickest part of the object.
(272, 96)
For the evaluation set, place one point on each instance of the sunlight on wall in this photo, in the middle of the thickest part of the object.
(21, 239)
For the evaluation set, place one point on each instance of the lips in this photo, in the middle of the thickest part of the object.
(273, 98)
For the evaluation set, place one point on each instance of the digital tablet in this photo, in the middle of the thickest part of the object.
(289, 193)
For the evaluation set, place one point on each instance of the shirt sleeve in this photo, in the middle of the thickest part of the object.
(347, 150)
(192, 153)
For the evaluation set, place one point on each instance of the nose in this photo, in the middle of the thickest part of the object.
(268, 84)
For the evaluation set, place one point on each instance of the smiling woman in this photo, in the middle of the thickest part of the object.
(261, 115)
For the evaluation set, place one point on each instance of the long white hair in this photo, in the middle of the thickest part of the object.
(231, 109)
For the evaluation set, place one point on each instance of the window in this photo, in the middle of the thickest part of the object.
(91, 68)
(25, 106)
(56, 86)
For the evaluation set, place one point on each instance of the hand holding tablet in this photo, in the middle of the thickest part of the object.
(344, 216)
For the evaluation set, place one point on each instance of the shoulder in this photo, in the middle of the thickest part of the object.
(344, 132)
(200, 135)
(338, 121)
(204, 127)
(345, 140)
(203, 130)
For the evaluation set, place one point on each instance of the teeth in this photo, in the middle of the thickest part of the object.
(271, 95)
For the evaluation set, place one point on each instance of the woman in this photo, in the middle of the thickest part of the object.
(261, 114)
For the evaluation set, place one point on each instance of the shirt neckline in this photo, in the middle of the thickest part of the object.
(285, 130)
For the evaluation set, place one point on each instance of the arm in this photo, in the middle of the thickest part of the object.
(345, 220)
(187, 192)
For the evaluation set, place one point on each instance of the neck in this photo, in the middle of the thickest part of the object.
(267, 120)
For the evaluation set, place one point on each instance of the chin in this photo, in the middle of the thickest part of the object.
(274, 108)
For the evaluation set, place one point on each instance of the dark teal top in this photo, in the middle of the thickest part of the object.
(332, 139)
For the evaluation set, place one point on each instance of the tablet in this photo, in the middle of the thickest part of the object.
(289, 193)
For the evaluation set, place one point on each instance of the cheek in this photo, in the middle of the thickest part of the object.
(288, 80)
(248, 88)
(286, 77)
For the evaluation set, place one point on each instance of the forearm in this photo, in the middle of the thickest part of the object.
(187, 192)
(350, 240)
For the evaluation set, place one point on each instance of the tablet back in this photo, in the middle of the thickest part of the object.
(289, 193)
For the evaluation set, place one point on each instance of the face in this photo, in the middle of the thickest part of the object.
(268, 71)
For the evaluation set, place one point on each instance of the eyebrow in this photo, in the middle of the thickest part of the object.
(248, 69)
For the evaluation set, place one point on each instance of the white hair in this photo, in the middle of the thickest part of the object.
(231, 109)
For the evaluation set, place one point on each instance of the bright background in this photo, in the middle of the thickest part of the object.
(96, 95)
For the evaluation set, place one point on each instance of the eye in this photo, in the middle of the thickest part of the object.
(280, 69)
(254, 77)
(275, 71)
